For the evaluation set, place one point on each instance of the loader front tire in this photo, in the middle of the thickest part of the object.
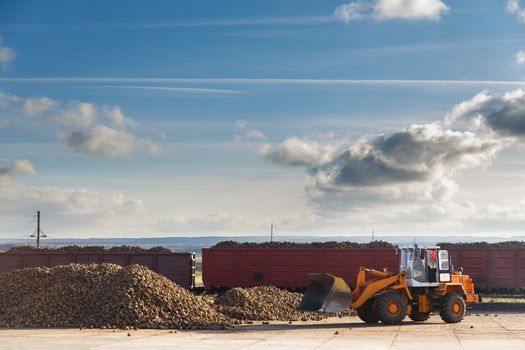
(367, 313)
(452, 308)
(391, 308)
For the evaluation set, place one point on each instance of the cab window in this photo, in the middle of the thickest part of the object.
(443, 260)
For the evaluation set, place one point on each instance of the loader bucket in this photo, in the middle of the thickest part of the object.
(326, 293)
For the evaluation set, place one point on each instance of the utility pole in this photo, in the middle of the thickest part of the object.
(38, 233)
(373, 233)
(271, 232)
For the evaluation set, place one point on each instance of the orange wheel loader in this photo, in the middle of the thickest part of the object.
(424, 284)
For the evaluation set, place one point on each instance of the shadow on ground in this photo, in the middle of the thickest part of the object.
(312, 326)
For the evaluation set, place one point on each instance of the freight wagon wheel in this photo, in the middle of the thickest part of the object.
(452, 308)
(391, 308)
(367, 313)
(419, 316)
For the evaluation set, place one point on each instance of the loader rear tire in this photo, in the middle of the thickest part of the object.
(367, 313)
(391, 308)
(419, 316)
(452, 308)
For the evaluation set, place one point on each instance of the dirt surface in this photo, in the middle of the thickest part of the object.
(493, 331)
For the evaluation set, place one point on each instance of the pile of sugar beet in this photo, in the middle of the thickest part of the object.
(102, 296)
(377, 244)
(111, 296)
(285, 244)
(87, 249)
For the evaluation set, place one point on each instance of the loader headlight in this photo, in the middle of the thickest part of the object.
(444, 277)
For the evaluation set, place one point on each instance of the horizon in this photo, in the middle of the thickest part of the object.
(206, 119)
(309, 238)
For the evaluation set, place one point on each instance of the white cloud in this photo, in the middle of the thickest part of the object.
(416, 162)
(503, 114)
(7, 55)
(406, 171)
(38, 105)
(101, 140)
(466, 107)
(15, 196)
(92, 135)
(493, 217)
(8, 102)
(381, 10)
(18, 167)
(246, 134)
(31, 106)
(514, 7)
(78, 114)
(520, 57)
(213, 223)
(406, 180)
(352, 11)
(296, 152)
(410, 9)
(241, 124)
(104, 141)
(83, 201)
(117, 118)
(255, 135)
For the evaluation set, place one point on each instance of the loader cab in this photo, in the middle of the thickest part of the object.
(425, 266)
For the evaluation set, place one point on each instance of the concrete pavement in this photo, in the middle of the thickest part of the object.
(475, 332)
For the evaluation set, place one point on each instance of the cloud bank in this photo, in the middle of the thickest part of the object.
(16, 196)
(409, 174)
(93, 130)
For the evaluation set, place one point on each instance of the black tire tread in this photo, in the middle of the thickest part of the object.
(381, 308)
(366, 312)
(445, 309)
(419, 316)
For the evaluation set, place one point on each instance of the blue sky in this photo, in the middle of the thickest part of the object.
(205, 117)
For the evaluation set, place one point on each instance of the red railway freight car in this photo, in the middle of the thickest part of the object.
(287, 267)
(178, 267)
(490, 268)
